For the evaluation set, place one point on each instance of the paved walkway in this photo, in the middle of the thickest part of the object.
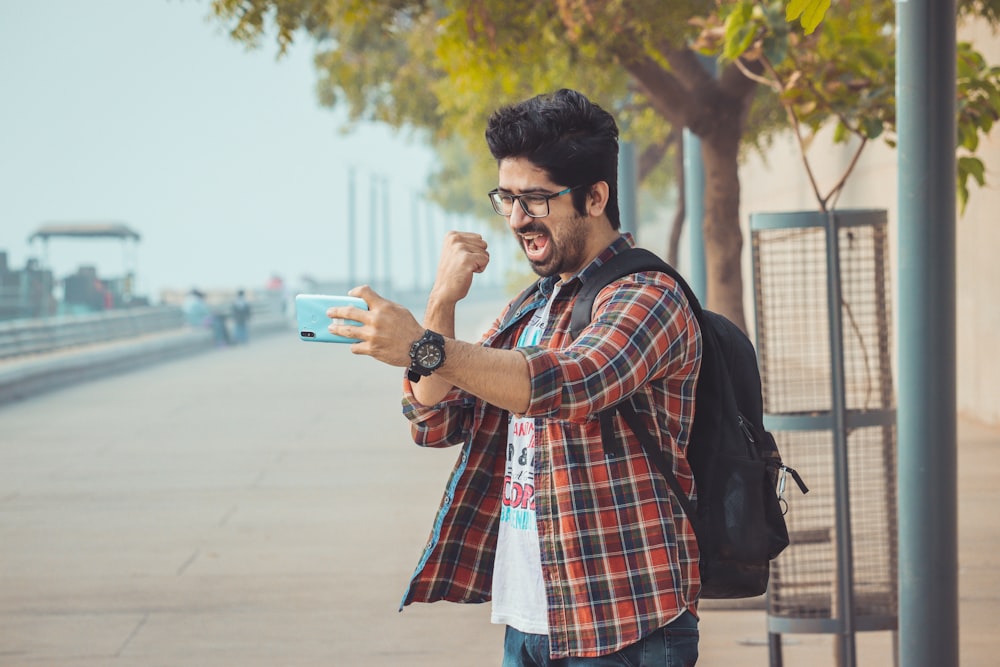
(263, 506)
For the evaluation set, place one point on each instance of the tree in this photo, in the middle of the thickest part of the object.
(443, 65)
(843, 72)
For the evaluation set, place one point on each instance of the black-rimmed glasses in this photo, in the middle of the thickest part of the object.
(534, 204)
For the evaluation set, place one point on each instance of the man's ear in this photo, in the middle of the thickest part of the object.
(597, 198)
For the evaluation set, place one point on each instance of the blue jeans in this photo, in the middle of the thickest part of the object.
(673, 645)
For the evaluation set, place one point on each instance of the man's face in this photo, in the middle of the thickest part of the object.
(555, 244)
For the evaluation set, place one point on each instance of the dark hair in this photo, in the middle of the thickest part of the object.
(571, 138)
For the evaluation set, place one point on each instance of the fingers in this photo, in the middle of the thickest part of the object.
(385, 331)
(366, 294)
(471, 239)
(339, 327)
(470, 246)
(463, 255)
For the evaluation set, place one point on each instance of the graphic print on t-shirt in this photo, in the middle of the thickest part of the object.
(519, 483)
(518, 589)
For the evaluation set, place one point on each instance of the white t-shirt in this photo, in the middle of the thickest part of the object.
(518, 588)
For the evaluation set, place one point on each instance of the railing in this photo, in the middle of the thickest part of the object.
(49, 334)
(24, 337)
(38, 355)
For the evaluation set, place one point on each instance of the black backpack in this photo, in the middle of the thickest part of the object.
(738, 521)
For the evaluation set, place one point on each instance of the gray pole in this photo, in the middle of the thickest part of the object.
(694, 205)
(928, 490)
(694, 202)
(352, 268)
(387, 237)
(373, 231)
(628, 199)
(846, 646)
(415, 247)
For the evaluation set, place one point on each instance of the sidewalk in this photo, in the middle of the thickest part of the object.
(738, 638)
(263, 506)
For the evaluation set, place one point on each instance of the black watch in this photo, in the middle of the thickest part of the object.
(426, 355)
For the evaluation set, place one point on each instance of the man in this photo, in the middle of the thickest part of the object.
(577, 542)
(241, 316)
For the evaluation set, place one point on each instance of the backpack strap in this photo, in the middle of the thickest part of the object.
(656, 455)
(633, 260)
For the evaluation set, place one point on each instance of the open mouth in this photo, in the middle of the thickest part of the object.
(535, 245)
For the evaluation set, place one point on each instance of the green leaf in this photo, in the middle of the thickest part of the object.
(739, 31)
(972, 166)
(963, 195)
(871, 127)
(809, 12)
(840, 133)
(968, 167)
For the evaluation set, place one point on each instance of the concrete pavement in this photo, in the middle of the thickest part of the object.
(263, 505)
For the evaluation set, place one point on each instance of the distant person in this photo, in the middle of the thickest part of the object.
(220, 329)
(240, 312)
(196, 312)
(276, 289)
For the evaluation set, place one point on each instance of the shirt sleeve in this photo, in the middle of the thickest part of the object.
(642, 329)
(450, 421)
(443, 425)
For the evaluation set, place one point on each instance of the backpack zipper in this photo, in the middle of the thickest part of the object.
(745, 429)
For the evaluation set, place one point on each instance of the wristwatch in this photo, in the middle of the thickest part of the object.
(426, 355)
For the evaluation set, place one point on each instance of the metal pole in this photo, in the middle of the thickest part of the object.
(433, 245)
(847, 650)
(694, 202)
(927, 464)
(416, 254)
(386, 237)
(352, 269)
(694, 205)
(628, 200)
(373, 230)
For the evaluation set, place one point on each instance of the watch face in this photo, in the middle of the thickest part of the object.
(428, 355)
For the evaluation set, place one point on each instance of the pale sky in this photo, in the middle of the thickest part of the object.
(145, 112)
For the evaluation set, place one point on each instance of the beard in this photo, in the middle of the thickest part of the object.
(565, 248)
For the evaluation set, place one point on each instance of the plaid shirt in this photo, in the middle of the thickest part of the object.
(619, 557)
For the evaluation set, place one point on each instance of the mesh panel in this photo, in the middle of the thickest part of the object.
(793, 340)
(804, 577)
(793, 345)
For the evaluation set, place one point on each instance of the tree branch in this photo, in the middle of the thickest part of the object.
(797, 127)
(666, 93)
(652, 155)
(834, 193)
(674, 242)
(688, 67)
(739, 79)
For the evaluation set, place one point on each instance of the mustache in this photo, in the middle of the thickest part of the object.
(533, 228)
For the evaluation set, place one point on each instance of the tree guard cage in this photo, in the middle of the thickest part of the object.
(828, 398)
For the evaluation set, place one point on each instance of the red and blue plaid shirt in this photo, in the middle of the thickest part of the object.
(619, 556)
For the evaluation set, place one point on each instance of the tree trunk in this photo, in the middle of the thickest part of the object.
(674, 242)
(723, 235)
(715, 109)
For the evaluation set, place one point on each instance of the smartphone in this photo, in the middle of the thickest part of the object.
(310, 314)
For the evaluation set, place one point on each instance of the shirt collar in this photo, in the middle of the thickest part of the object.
(619, 245)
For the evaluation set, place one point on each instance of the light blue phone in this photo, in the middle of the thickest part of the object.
(310, 314)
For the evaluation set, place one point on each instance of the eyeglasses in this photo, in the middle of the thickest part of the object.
(534, 204)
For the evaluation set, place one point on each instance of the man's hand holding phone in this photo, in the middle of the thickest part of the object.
(314, 322)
